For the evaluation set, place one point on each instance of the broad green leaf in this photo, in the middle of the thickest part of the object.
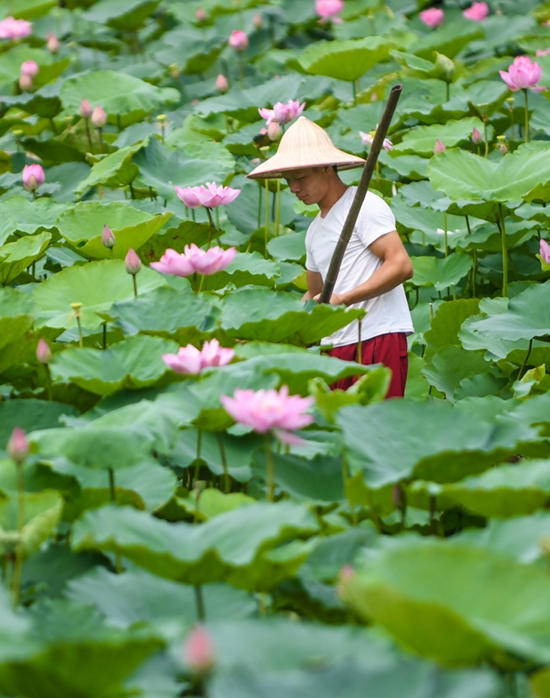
(125, 15)
(212, 502)
(345, 60)
(16, 318)
(448, 39)
(246, 269)
(30, 414)
(82, 226)
(129, 365)
(446, 324)
(31, 217)
(16, 256)
(244, 547)
(41, 514)
(422, 139)
(450, 365)
(97, 285)
(288, 247)
(370, 387)
(487, 606)
(441, 272)
(114, 170)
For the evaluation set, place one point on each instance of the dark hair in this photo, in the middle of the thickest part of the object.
(335, 168)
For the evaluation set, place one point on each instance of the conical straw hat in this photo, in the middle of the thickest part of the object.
(304, 145)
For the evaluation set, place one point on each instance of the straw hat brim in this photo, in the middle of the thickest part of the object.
(305, 144)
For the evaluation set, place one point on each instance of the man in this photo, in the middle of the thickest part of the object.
(375, 263)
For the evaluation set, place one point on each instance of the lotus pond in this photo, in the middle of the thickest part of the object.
(151, 545)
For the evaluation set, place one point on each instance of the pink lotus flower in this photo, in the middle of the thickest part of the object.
(274, 131)
(43, 352)
(132, 263)
(25, 82)
(52, 43)
(477, 138)
(194, 260)
(282, 113)
(545, 251)
(11, 28)
(99, 117)
(266, 410)
(221, 83)
(257, 21)
(210, 195)
(433, 17)
(439, 146)
(522, 75)
(190, 360)
(478, 11)
(238, 40)
(18, 446)
(200, 14)
(29, 68)
(33, 176)
(328, 10)
(542, 52)
(198, 651)
(367, 139)
(108, 238)
(85, 109)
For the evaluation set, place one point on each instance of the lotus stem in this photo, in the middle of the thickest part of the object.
(241, 69)
(524, 364)
(18, 562)
(504, 252)
(485, 135)
(135, 285)
(445, 233)
(224, 462)
(200, 603)
(260, 206)
(104, 336)
(270, 469)
(100, 138)
(278, 211)
(212, 226)
(526, 115)
(112, 491)
(199, 444)
(266, 216)
(132, 192)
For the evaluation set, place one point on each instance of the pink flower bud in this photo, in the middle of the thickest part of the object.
(274, 131)
(18, 446)
(85, 109)
(29, 68)
(200, 14)
(132, 263)
(198, 651)
(33, 176)
(25, 82)
(477, 138)
(43, 352)
(99, 117)
(52, 43)
(439, 147)
(238, 40)
(258, 21)
(221, 83)
(545, 251)
(433, 17)
(108, 238)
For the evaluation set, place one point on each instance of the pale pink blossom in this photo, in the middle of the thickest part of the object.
(29, 68)
(221, 83)
(269, 410)
(328, 10)
(274, 131)
(545, 251)
(33, 176)
(11, 28)
(43, 352)
(193, 260)
(108, 237)
(190, 360)
(542, 52)
(367, 139)
(200, 14)
(25, 82)
(18, 446)
(257, 21)
(209, 195)
(52, 43)
(85, 109)
(238, 40)
(478, 11)
(99, 117)
(433, 17)
(198, 651)
(439, 146)
(522, 74)
(132, 263)
(282, 113)
(477, 138)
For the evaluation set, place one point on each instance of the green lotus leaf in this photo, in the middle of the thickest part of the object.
(16, 256)
(240, 546)
(31, 217)
(452, 364)
(434, 441)
(114, 170)
(125, 15)
(97, 285)
(422, 140)
(246, 269)
(41, 102)
(441, 272)
(42, 511)
(118, 93)
(192, 51)
(506, 491)
(449, 39)
(489, 605)
(443, 68)
(132, 364)
(288, 247)
(345, 60)
(30, 414)
(278, 317)
(82, 226)
(32, 9)
(16, 318)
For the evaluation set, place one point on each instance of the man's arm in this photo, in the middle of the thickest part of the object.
(395, 269)
(314, 284)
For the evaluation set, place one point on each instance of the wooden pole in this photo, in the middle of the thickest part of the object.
(347, 230)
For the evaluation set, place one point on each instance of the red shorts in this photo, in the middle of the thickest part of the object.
(388, 349)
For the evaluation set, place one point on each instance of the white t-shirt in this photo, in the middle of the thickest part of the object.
(386, 313)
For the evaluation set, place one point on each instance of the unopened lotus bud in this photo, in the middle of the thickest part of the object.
(43, 352)
(257, 21)
(132, 263)
(33, 177)
(30, 68)
(502, 144)
(439, 147)
(221, 83)
(25, 82)
(18, 446)
(99, 117)
(477, 138)
(52, 43)
(198, 651)
(274, 131)
(238, 40)
(108, 238)
(85, 109)
(200, 14)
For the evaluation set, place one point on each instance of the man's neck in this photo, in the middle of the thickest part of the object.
(334, 194)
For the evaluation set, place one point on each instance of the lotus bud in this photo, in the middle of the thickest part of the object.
(198, 650)
(25, 82)
(502, 144)
(274, 131)
(53, 43)
(444, 67)
(257, 20)
(108, 238)
(439, 147)
(18, 446)
(29, 68)
(85, 110)
(200, 14)
(477, 138)
(132, 263)
(238, 40)
(99, 117)
(32, 176)
(43, 352)
(545, 251)
(221, 83)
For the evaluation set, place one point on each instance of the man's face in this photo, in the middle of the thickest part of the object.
(310, 184)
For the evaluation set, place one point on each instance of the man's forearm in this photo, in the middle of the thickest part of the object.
(384, 279)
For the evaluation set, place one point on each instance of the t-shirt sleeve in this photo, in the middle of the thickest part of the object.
(310, 263)
(375, 219)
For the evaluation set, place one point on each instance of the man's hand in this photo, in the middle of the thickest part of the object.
(335, 299)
